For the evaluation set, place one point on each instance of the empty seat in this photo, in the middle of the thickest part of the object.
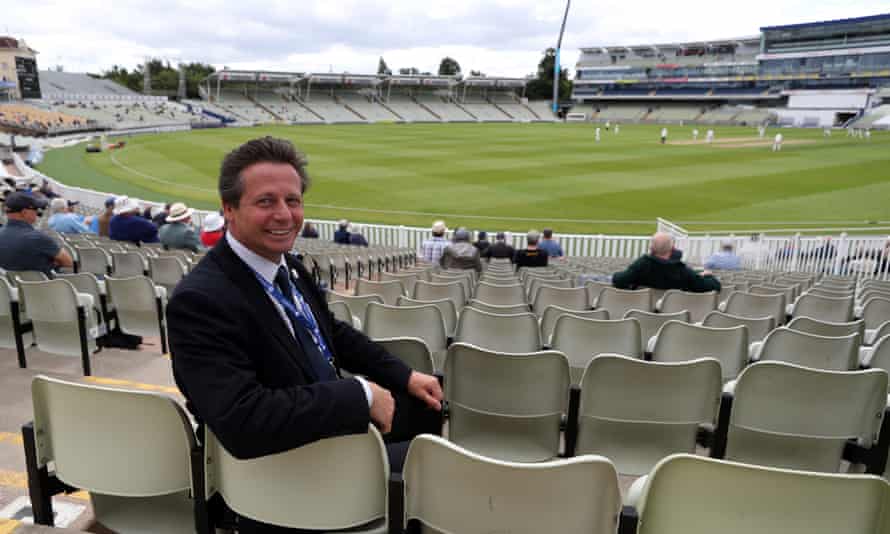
(833, 310)
(433, 291)
(449, 489)
(582, 339)
(573, 298)
(553, 312)
(697, 304)
(167, 271)
(875, 312)
(821, 352)
(15, 330)
(499, 333)
(411, 350)
(388, 291)
(356, 304)
(758, 327)
(423, 322)
(650, 323)
(823, 328)
(93, 260)
(341, 312)
(744, 304)
(534, 284)
(140, 306)
(678, 342)
(500, 295)
(619, 301)
(446, 306)
(407, 279)
(499, 310)
(506, 406)
(126, 264)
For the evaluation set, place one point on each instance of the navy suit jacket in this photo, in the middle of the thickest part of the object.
(245, 376)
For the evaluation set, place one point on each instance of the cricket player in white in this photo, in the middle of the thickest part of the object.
(695, 134)
(777, 143)
(709, 137)
(664, 135)
(597, 135)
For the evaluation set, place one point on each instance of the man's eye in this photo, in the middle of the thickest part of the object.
(295, 202)
(264, 202)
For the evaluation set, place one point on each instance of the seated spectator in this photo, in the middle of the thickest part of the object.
(460, 254)
(47, 190)
(22, 247)
(726, 259)
(342, 234)
(62, 220)
(531, 255)
(657, 270)
(554, 250)
(160, 218)
(309, 231)
(178, 233)
(213, 229)
(128, 225)
(482, 243)
(825, 252)
(500, 249)
(100, 223)
(356, 237)
(431, 249)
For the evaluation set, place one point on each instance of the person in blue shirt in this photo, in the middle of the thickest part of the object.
(62, 220)
(554, 250)
(725, 260)
(128, 225)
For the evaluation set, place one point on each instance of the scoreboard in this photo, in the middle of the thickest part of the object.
(29, 82)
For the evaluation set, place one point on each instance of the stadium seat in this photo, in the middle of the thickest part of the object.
(519, 333)
(15, 330)
(554, 312)
(875, 312)
(619, 301)
(446, 306)
(822, 328)
(127, 264)
(407, 279)
(434, 291)
(651, 322)
(581, 339)
(357, 305)
(388, 291)
(749, 305)
(341, 312)
(140, 306)
(679, 342)
(573, 298)
(833, 310)
(423, 322)
(758, 327)
(500, 295)
(411, 350)
(697, 304)
(840, 353)
(498, 310)
(167, 271)
(93, 260)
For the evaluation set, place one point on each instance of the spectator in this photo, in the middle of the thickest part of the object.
(22, 247)
(554, 250)
(432, 248)
(62, 220)
(128, 225)
(460, 254)
(309, 231)
(178, 233)
(825, 252)
(101, 222)
(482, 243)
(47, 190)
(500, 249)
(531, 255)
(657, 270)
(160, 218)
(342, 234)
(212, 229)
(356, 237)
(726, 259)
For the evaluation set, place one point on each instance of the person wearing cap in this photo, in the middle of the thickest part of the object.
(431, 249)
(482, 243)
(500, 249)
(342, 234)
(62, 220)
(178, 233)
(22, 247)
(460, 254)
(212, 229)
(531, 255)
(725, 259)
(128, 225)
(100, 223)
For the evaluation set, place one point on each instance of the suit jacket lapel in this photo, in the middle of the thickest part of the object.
(245, 280)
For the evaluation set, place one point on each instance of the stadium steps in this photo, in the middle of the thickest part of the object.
(532, 111)
(427, 109)
(264, 108)
(502, 110)
(354, 112)
(389, 109)
(465, 110)
(307, 108)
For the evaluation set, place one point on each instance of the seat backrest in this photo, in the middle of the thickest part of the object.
(424, 322)
(506, 406)
(831, 292)
(553, 312)
(15, 277)
(93, 260)
(356, 304)
(50, 301)
(636, 412)
(499, 310)
(411, 350)
(758, 327)
(408, 279)
(388, 291)
(284, 489)
(111, 441)
(582, 339)
(167, 271)
(651, 322)
(594, 289)
(688, 494)
(534, 284)
(697, 304)
(501, 295)
(126, 264)
(436, 291)
(823, 328)
(499, 333)
(834, 310)
(619, 301)
(341, 312)
(750, 305)
(876, 311)
(680, 342)
(136, 302)
(446, 306)
(786, 415)
(442, 478)
(84, 283)
(465, 282)
(573, 298)
(766, 289)
(839, 353)
(880, 354)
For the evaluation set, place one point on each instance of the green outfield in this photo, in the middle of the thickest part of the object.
(517, 176)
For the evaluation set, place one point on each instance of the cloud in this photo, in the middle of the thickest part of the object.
(499, 37)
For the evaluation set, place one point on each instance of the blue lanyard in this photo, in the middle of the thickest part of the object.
(304, 314)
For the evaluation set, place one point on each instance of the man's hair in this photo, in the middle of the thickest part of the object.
(533, 237)
(260, 150)
(547, 232)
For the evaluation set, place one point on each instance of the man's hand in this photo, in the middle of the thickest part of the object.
(707, 273)
(382, 408)
(426, 388)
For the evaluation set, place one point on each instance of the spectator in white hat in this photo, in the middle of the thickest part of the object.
(432, 248)
(212, 229)
(178, 233)
(127, 225)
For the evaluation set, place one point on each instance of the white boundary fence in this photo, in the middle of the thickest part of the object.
(767, 253)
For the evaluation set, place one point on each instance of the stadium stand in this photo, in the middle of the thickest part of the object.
(445, 109)
(409, 110)
(331, 109)
(69, 85)
(41, 121)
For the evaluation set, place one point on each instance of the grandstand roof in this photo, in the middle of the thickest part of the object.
(857, 20)
(749, 40)
(495, 82)
(253, 76)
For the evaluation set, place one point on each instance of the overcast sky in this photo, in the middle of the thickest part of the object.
(498, 37)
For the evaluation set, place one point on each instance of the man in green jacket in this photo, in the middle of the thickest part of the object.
(178, 232)
(657, 270)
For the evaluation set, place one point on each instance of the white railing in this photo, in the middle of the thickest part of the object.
(767, 253)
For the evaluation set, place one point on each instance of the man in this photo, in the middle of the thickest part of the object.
(62, 220)
(482, 243)
(664, 135)
(356, 237)
(22, 248)
(101, 223)
(531, 255)
(657, 270)
(695, 134)
(342, 234)
(554, 250)
(178, 232)
(725, 259)
(777, 143)
(500, 249)
(160, 218)
(257, 353)
(128, 225)
(461, 254)
(709, 136)
(431, 249)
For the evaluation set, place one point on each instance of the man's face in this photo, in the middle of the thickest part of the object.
(30, 215)
(270, 212)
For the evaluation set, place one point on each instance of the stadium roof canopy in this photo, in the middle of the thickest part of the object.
(495, 82)
(745, 41)
(872, 19)
(227, 75)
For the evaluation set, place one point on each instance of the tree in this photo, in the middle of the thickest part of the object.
(164, 77)
(449, 67)
(410, 71)
(382, 68)
(541, 87)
